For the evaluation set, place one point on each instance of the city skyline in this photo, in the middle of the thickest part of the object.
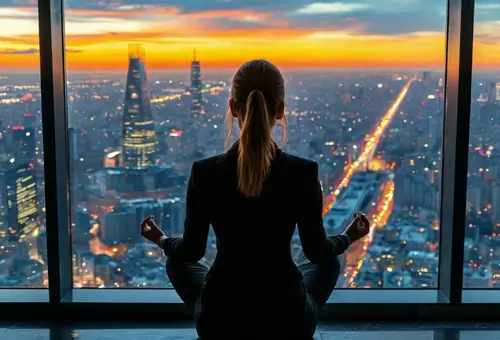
(290, 34)
(355, 126)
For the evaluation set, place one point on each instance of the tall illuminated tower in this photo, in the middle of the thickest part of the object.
(18, 201)
(139, 137)
(196, 86)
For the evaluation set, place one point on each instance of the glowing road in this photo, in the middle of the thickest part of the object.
(378, 216)
(371, 142)
(381, 211)
(166, 98)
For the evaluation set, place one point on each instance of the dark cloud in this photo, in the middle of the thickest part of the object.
(189, 6)
(73, 50)
(485, 39)
(12, 51)
(393, 17)
(232, 24)
(15, 40)
(18, 3)
(487, 10)
(388, 23)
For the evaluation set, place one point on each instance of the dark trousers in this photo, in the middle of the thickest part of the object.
(319, 280)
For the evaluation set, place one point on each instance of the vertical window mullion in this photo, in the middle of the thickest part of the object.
(54, 117)
(455, 147)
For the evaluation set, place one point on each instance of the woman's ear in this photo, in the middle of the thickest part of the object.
(231, 108)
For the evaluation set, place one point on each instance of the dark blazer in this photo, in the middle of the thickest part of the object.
(254, 269)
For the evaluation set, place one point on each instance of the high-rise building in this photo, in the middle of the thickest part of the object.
(120, 226)
(491, 90)
(23, 143)
(172, 216)
(19, 208)
(426, 76)
(73, 147)
(195, 89)
(29, 121)
(139, 137)
(4, 150)
(495, 204)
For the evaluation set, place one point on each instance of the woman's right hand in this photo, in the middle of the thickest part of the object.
(359, 227)
(151, 231)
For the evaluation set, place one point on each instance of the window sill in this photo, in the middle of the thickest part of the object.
(83, 295)
(384, 296)
(89, 295)
(20, 295)
(160, 304)
(481, 296)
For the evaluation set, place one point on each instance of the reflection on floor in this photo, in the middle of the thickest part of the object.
(185, 331)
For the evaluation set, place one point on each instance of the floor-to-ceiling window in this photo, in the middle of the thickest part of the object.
(23, 246)
(482, 229)
(147, 87)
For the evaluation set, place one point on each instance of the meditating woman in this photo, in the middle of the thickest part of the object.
(255, 195)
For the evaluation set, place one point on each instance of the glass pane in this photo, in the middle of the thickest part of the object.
(23, 247)
(482, 229)
(147, 94)
(323, 333)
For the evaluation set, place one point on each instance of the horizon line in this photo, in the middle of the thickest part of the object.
(177, 69)
(217, 68)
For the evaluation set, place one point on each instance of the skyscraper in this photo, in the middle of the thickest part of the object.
(23, 144)
(29, 121)
(196, 97)
(18, 201)
(491, 90)
(139, 137)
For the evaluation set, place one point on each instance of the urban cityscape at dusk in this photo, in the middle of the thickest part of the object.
(147, 92)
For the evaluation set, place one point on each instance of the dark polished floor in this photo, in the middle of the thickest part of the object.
(185, 331)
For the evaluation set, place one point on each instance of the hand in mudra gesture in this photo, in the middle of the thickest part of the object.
(151, 231)
(359, 227)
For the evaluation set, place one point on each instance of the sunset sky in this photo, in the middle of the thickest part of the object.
(296, 33)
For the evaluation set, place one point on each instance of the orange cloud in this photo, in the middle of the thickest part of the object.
(237, 14)
(229, 14)
(20, 39)
(147, 10)
(79, 40)
(278, 33)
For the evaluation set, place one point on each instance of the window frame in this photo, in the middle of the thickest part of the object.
(55, 139)
(445, 302)
(455, 149)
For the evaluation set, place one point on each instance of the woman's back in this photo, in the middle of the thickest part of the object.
(254, 232)
(254, 267)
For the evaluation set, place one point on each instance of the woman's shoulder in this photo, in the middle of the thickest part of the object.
(299, 161)
(300, 165)
(211, 162)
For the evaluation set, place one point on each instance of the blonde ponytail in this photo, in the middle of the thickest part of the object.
(256, 147)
